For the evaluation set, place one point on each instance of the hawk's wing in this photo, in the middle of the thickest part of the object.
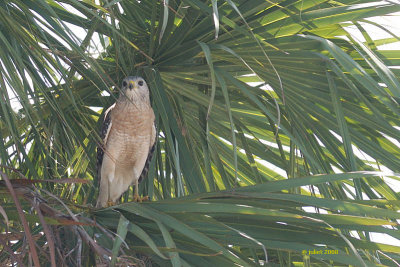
(105, 130)
(149, 156)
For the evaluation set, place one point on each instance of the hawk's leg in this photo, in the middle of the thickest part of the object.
(136, 197)
(109, 202)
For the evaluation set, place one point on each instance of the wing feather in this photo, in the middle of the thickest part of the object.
(105, 130)
(149, 156)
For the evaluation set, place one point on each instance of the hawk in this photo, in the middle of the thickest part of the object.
(129, 136)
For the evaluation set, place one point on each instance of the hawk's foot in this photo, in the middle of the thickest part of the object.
(110, 203)
(137, 198)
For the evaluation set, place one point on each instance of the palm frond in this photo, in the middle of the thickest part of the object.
(264, 111)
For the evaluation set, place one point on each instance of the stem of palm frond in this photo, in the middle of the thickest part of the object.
(43, 210)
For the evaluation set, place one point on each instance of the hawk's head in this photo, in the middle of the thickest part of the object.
(135, 88)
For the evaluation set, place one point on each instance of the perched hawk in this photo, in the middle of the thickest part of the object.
(129, 136)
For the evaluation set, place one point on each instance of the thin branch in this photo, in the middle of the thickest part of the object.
(104, 253)
(48, 233)
(23, 220)
(14, 258)
(79, 251)
(26, 180)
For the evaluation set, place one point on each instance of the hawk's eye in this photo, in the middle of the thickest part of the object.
(140, 83)
(124, 84)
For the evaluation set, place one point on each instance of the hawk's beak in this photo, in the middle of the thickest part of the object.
(132, 85)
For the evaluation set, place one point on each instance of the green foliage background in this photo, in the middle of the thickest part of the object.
(218, 198)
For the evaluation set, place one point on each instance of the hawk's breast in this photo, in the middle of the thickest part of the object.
(130, 136)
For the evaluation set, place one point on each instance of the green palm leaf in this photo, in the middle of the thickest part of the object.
(278, 132)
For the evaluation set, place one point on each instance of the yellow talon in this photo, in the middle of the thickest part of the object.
(137, 198)
(110, 203)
